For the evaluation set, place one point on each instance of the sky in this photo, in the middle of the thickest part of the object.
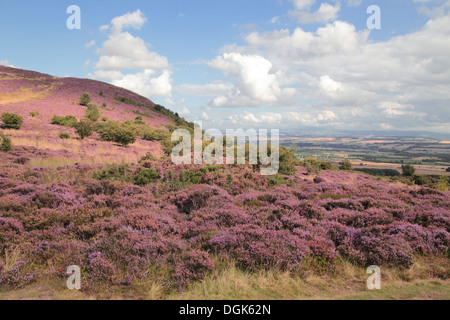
(281, 64)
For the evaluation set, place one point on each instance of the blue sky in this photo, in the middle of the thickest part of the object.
(251, 63)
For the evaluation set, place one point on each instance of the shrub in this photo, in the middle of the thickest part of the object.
(408, 170)
(11, 121)
(106, 130)
(92, 112)
(112, 131)
(156, 135)
(84, 129)
(6, 143)
(315, 166)
(85, 98)
(346, 165)
(68, 121)
(122, 173)
(288, 161)
(421, 180)
(64, 136)
(124, 136)
(34, 114)
(448, 169)
(146, 176)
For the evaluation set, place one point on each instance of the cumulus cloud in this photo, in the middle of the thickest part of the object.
(126, 61)
(401, 83)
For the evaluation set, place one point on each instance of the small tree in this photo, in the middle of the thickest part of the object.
(85, 99)
(346, 165)
(408, 170)
(124, 136)
(448, 169)
(11, 121)
(5, 143)
(92, 112)
(84, 128)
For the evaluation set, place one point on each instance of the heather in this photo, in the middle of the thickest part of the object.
(103, 195)
(153, 221)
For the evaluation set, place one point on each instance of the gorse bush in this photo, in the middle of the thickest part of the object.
(85, 98)
(288, 161)
(408, 170)
(5, 144)
(122, 173)
(156, 135)
(115, 132)
(315, 166)
(67, 121)
(146, 176)
(124, 136)
(92, 112)
(346, 165)
(11, 121)
(84, 129)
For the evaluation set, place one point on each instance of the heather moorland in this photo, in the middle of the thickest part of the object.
(113, 203)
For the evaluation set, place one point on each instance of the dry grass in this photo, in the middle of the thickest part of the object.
(23, 95)
(346, 282)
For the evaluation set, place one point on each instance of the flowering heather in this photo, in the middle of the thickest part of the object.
(96, 216)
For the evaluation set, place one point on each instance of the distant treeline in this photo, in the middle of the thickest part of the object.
(380, 172)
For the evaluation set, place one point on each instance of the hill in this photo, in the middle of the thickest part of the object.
(38, 97)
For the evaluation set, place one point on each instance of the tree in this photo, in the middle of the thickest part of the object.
(448, 169)
(85, 99)
(6, 143)
(408, 170)
(288, 160)
(124, 136)
(92, 112)
(84, 128)
(11, 121)
(346, 165)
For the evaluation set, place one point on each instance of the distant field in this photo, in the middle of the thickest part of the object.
(429, 156)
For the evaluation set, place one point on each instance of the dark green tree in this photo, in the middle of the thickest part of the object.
(408, 170)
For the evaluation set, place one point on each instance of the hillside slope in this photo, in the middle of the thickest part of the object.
(23, 92)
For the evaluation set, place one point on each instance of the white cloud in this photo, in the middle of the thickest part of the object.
(126, 61)
(325, 13)
(90, 44)
(251, 74)
(401, 83)
(6, 63)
